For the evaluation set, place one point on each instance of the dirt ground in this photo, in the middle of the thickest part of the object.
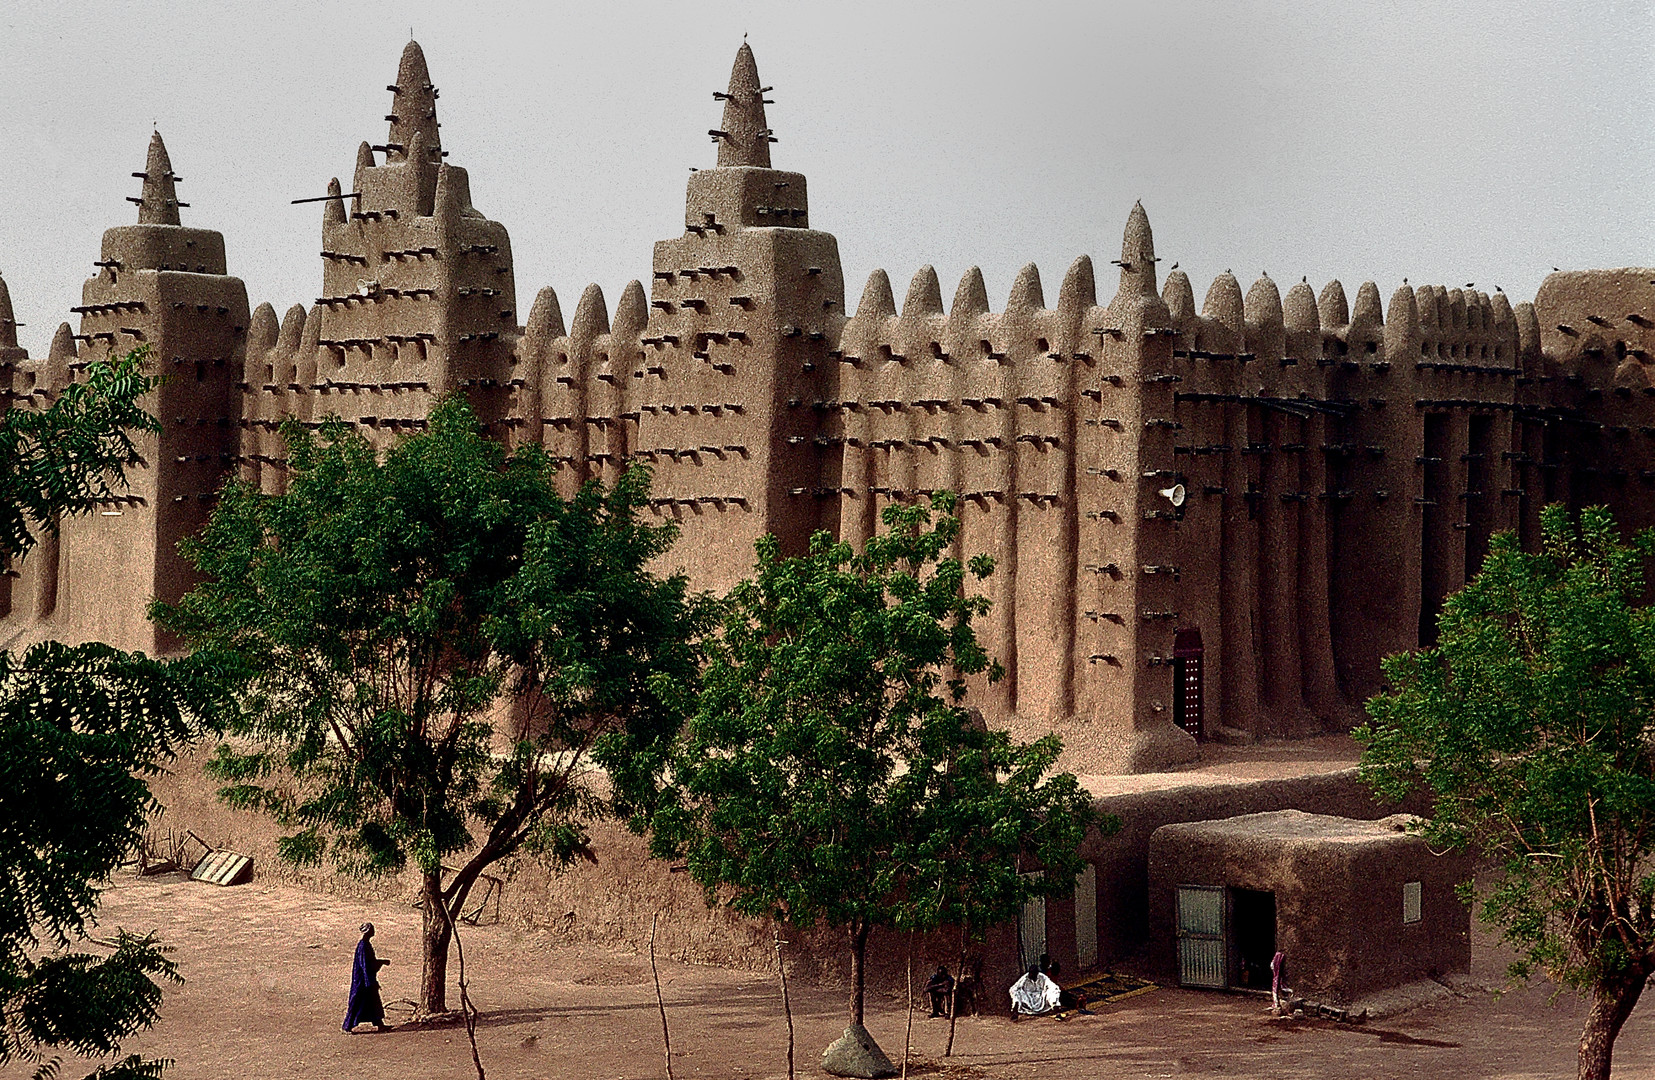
(267, 965)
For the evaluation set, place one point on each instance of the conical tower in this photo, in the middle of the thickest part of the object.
(9, 350)
(161, 286)
(418, 294)
(746, 308)
(158, 204)
(744, 138)
(413, 107)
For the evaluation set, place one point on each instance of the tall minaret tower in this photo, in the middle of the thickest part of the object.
(745, 307)
(163, 285)
(418, 291)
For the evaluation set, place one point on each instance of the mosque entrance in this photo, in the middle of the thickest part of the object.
(1187, 656)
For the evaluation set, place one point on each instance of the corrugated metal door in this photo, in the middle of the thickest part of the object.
(1086, 917)
(1031, 926)
(1201, 936)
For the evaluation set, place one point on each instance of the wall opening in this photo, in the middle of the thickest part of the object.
(1433, 526)
(1252, 937)
(1479, 500)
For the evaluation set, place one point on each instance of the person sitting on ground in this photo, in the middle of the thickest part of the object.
(1035, 994)
(365, 1006)
(940, 987)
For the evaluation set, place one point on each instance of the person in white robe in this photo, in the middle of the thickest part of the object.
(1034, 994)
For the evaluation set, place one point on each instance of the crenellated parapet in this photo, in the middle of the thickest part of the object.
(1208, 521)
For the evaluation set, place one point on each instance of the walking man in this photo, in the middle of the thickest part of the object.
(365, 1005)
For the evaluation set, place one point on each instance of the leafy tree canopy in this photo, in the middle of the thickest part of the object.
(59, 460)
(1532, 723)
(435, 648)
(82, 728)
(831, 773)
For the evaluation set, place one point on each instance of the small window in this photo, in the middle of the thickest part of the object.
(1410, 901)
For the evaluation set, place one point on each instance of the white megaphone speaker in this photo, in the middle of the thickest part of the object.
(1175, 494)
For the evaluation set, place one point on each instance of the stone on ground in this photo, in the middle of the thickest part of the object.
(856, 1054)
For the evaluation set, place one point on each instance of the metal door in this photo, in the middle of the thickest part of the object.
(1031, 927)
(1201, 950)
(1086, 917)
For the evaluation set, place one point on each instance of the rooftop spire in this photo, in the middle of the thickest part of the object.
(413, 107)
(745, 137)
(1137, 261)
(8, 322)
(158, 204)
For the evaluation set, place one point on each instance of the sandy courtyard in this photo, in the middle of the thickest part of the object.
(266, 967)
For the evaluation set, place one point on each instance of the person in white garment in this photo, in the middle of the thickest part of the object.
(1034, 994)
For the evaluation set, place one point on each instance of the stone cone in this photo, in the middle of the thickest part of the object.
(856, 1054)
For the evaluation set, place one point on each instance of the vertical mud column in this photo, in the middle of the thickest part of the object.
(1035, 448)
(1126, 461)
(1280, 514)
(1201, 397)
(860, 353)
(967, 327)
(1367, 378)
(1311, 384)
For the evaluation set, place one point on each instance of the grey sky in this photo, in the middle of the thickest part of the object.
(1448, 142)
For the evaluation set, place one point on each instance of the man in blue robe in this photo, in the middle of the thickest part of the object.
(365, 1006)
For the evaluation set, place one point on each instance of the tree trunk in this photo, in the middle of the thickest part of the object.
(954, 995)
(1612, 1002)
(858, 969)
(433, 988)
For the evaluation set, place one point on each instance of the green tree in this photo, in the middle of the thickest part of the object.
(61, 459)
(1531, 724)
(81, 728)
(831, 774)
(992, 815)
(433, 650)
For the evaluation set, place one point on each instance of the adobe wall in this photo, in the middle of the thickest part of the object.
(1344, 463)
(1122, 861)
(1338, 888)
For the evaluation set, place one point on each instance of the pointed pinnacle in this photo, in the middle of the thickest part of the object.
(413, 106)
(158, 204)
(744, 138)
(8, 321)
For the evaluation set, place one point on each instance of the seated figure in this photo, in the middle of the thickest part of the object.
(1034, 994)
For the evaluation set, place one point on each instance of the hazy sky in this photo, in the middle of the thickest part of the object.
(1448, 142)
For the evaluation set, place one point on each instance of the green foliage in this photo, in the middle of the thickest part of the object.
(1531, 724)
(831, 773)
(81, 729)
(433, 648)
(61, 459)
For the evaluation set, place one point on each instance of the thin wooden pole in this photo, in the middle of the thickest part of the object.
(954, 995)
(666, 1038)
(908, 1037)
(787, 1007)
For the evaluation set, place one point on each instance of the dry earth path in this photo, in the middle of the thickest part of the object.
(267, 965)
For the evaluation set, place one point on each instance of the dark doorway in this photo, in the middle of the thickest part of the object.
(1187, 697)
(1252, 938)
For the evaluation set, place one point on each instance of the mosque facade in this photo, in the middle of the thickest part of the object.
(1207, 522)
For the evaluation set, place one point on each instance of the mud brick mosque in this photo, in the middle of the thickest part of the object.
(1208, 522)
